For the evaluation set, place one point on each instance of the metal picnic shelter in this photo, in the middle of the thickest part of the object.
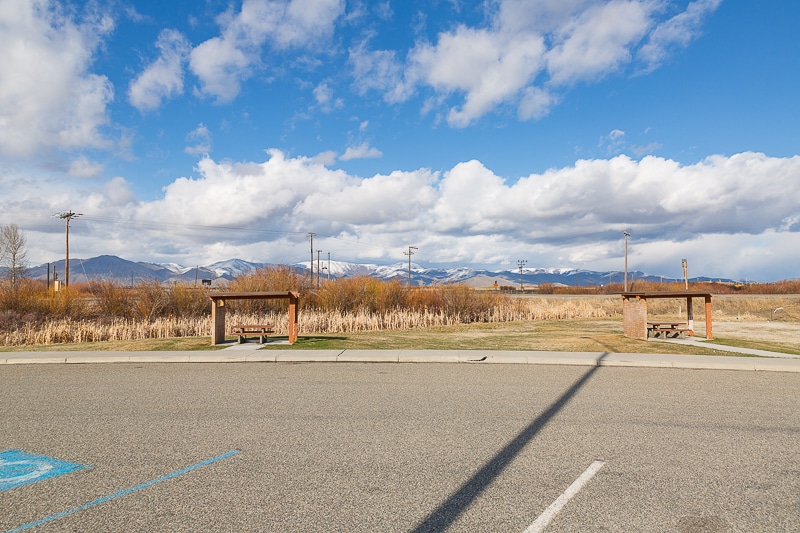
(218, 308)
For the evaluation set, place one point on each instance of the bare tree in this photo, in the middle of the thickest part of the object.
(13, 254)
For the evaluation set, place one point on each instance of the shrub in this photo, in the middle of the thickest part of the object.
(66, 303)
(150, 300)
(468, 304)
(271, 278)
(361, 293)
(23, 296)
(547, 288)
(111, 298)
(187, 301)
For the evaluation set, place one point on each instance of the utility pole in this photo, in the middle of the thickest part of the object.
(311, 263)
(67, 216)
(625, 289)
(318, 270)
(329, 266)
(521, 263)
(409, 254)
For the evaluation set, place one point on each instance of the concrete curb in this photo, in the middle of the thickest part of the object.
(254, 355)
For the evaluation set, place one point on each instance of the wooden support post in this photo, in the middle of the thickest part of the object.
(634, 317)
(690, 314)
(217, 321)
(294, 325)
(709, 333)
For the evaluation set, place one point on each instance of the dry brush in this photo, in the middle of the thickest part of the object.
(108, 311)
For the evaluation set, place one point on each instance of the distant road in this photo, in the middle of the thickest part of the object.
(402, 447)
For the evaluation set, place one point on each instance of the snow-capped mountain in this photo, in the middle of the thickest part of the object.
(175, 267)
(111, 267)
(340, 269)
(232, 268)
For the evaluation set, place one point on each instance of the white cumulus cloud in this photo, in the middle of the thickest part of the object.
(676, 32)
(324, 97)
(526, 53)
(200, 141)
(52, 100)
(222, 63)
(163, 78)
(83, 167)
(727, 214)
(488, 66)
(361, 151)
(574, 213)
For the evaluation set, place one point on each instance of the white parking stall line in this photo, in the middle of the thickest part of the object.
(547, 516)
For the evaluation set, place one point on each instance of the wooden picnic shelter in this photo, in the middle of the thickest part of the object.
(634, 314)
(219, 306)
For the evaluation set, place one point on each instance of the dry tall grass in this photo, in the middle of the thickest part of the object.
(67, 330)
(107, 311)
(312, 321)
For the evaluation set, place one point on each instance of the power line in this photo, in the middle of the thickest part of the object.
(238, 229)
(357, 241)
(171, 225)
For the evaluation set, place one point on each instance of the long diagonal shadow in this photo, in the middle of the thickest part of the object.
(447, 513)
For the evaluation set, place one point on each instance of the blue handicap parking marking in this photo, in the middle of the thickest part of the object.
(18, 467)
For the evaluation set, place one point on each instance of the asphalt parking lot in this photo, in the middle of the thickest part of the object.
(401, 447)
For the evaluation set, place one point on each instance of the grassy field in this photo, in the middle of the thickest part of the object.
(542, 322)
(585, 335)
(781, 347)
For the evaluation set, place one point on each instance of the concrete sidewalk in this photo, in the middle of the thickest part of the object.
(251, 353)
(710, 344)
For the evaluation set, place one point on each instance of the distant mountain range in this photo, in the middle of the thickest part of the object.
(109, 267)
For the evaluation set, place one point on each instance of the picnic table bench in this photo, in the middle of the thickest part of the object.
(678, 327)
(261, 330)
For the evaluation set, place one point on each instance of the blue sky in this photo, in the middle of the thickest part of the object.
(481, 132)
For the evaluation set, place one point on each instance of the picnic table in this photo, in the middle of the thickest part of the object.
(678, 327)
(261, 330)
